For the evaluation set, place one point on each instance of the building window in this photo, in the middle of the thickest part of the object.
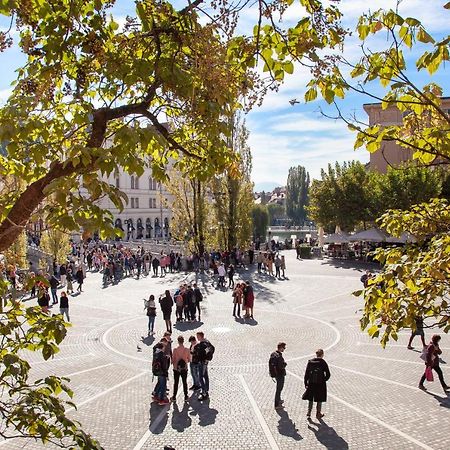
(132, 181)
(136, 183)
(152, 184)
(136, 203)
(117, 182)
(154, 203)
(132, 202)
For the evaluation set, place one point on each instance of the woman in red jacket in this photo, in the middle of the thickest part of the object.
(433, 352)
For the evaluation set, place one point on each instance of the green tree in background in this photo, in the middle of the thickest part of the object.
(260, 217)
(56, 243)
(414, 280)
(341, 196)
(297, 189)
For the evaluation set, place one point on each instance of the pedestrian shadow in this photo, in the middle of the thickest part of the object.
(206, 415)
(251, 322)
(187, 326)
(443, 401)
(147, 340)
(327, 436)
(180, 418)
(286, 427)
(159, 415)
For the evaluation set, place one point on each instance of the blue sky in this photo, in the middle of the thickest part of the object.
(282, 135)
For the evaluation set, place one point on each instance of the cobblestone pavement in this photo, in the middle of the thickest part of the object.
(373, 399)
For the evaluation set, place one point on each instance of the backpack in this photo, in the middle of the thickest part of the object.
(181, 366)
(273, 365)
(316, 375)
(205, 350)
(157, 363)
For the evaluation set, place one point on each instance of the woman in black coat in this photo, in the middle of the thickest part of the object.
(317, 374)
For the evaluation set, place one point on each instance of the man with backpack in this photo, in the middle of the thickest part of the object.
(160, 369)
(203, 353)
(277, 370)
(317, 374)
(181, 357)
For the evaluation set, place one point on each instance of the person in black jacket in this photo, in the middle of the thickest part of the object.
(166, 303)
(277, 368)
(317, 374)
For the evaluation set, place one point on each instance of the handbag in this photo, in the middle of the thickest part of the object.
(429, 374)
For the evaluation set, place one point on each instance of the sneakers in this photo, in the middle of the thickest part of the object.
(164, 402)
(409, 347)
(422, 387)
(446, 388)
(203, 397)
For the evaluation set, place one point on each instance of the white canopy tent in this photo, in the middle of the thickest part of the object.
(336, 238)
(371, 235)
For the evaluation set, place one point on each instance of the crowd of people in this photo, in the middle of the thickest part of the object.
(193, 359)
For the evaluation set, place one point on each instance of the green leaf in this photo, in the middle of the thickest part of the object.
(311, 94)
(424, 37)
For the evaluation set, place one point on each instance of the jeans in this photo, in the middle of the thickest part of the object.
(151, 323)
(194, 374)
(176, 379)
(438, 370)
(203, 376)
(238, 309)
(160, 388)
(280, 384)
(65, 311)
(54, 295)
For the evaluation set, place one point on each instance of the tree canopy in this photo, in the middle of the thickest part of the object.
(350, 196)
(93, 96)
(414, 280)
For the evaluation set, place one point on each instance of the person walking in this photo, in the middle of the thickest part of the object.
(79, 277)
(277, 370)
(283, 266)
(237, 300)
(198, 298)
(221, 273)
(166, 303)
(43, 298)
(249, 300)
(417, 332)
(181, 356)
(150, 307)
(64, 305)
(204, 352)
(160, 369)
(62, 274)
(53, 289)
(277, 266)
(317, 374)
(194, 364)
(231, 276)
(69, 281)
(432, 362)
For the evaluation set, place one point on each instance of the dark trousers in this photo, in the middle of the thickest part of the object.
(280, 384)
(197, 306)
(438, 370)
(176, 379)
(238, 309)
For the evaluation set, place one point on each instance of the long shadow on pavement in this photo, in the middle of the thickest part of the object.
(443, 401)
(159, 416)
(180, 418)
(287, 427)
(206, 415)
(327, 436)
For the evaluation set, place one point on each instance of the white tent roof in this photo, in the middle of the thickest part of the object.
(336, 238)
(371, 235)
